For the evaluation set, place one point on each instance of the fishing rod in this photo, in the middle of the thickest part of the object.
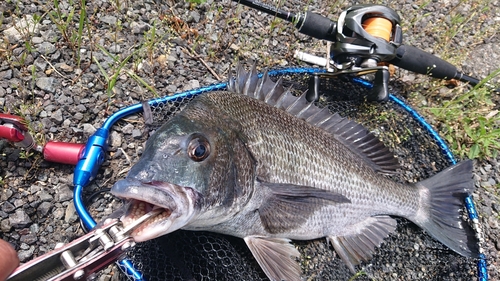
(364, 38)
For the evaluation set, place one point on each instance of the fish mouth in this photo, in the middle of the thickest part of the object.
(136, 210)
(173, 204)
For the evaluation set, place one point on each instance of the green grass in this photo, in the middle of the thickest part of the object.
(64, 22)
(469, 122)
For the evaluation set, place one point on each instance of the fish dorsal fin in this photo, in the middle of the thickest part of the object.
(276, 256)
(360, 247)
(353, 135)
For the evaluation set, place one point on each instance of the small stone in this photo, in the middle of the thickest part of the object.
(162, 59)
(194, 16)
(40, 64)
(57, 116)
(139, 27)
(5, 225)
(485, 184)
(136, 134)
(28, 238)
(116, 139)
(66, 123)
(88, 129)
(192, 84)
(81, 108)
(50, 35)
(115, 49)
(44, 208)
(65, 67)
(5, 194)
(493, 222)
(77, 116)
(63, 193)
(44, 195)
(6, 75)
(46, 48)
(58, 213)
(34, 228)
(47, 124)
(19, 219)
(487, 168)
(26, 25)
(47, 84)
(37, 40)
(234, 47)
(18, 203)
(111, 20)
(55, 56)
(25, 255)
(8, 207)
(70, 215)
(492, 181)
(171, 88)
(127, 129)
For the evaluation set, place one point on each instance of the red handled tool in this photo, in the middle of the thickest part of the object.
(13, 128)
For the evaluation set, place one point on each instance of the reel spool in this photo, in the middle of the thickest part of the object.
(378, 27)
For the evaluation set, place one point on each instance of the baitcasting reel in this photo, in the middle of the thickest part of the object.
(364, 39)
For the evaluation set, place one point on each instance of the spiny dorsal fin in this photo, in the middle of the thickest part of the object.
(353, 135)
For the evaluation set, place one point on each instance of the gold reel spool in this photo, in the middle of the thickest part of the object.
(378, 27)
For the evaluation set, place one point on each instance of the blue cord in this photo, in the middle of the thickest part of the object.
(95, 150)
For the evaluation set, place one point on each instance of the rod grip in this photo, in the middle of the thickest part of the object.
(416, 60)
(317, 26)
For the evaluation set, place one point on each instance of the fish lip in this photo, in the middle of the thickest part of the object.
(180, 204)
(149, 192)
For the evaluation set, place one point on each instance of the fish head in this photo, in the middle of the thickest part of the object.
(194, 167)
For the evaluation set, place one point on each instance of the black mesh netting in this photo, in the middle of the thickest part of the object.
(408, 254)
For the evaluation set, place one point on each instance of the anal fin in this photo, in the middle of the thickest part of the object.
(360, 246)
(276, 256)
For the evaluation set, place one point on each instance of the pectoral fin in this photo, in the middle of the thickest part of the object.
(289, 206)
(276, 256)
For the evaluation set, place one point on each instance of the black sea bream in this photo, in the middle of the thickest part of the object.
(258, 163)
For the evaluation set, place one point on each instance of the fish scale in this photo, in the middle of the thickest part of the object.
(258, 163)
(311, 147)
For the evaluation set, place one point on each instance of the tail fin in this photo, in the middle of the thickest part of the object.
(442, 220)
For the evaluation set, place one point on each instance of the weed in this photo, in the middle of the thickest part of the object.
(25, 154)
(358, 274)
(196, 1)
(470, 123)
(64, 22)
(111, 80)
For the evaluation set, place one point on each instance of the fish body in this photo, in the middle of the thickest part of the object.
(258, 163)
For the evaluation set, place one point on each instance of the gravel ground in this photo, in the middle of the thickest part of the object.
(174, 46)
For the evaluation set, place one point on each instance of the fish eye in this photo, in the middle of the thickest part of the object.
(198, 148)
